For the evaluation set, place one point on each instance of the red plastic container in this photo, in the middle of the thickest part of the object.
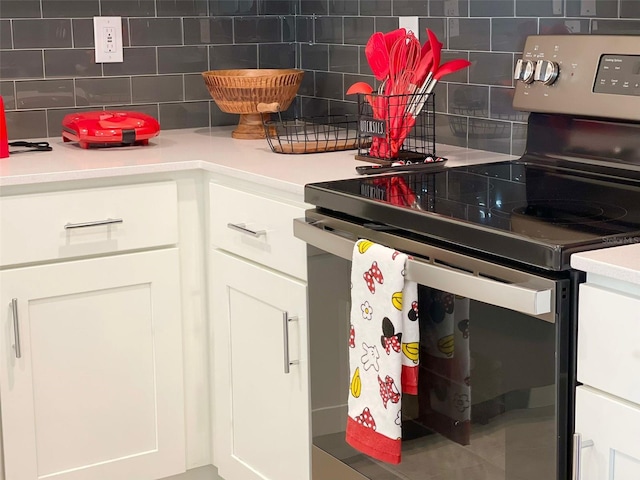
(111, 127)
(4, 139)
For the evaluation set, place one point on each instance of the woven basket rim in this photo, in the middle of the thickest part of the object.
(252, 72)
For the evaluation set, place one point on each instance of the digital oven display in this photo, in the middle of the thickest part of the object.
(619, 75)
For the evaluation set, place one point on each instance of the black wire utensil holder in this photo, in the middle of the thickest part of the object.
(401, 128)
(327, 133)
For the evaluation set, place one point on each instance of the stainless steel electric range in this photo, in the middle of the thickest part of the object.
(494, 241)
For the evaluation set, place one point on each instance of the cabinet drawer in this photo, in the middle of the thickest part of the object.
(609, 341)
(49, 226)
(272, 242)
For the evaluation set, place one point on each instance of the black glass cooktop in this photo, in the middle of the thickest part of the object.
(536, 213)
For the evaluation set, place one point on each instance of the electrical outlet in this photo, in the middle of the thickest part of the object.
(109, 39)
(107, 35)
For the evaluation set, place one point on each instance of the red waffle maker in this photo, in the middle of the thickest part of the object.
(109, 127)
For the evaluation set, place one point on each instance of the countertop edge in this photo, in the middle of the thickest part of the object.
(209, 149)
(621, 263)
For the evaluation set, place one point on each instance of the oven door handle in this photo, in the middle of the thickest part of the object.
(520, 297)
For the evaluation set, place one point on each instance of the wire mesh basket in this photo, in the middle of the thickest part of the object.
(397, 129)
(327, 133)
(472, 121)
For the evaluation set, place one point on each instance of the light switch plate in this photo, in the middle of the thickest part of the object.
(410, 24)
(107, 35)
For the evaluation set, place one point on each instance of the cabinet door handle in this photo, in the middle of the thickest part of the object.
(285, 335)
(16, 326)
(95, 223)
(241, 227)
(578, 445)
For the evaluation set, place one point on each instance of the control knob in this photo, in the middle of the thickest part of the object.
(525, 70)
(546, 72)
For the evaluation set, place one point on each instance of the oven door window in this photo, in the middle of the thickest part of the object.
(487, 400)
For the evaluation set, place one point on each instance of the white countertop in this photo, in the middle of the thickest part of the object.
(208, 149)
(213, 150)
(622, 263)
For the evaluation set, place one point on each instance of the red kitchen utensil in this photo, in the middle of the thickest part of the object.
(427, 60)
(408, 122)
(391, 37)
(450, 67)
(445, 69)
(424, 67)
(365, 89)
(426, 47)
(436, 47)
(4, 139)
(360, 87)
(378, 55)
(404, 58)
(407, 55)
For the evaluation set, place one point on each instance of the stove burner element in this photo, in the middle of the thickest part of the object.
(563, 220)
(569, 212)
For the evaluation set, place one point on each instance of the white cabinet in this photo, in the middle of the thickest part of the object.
(257, 228)
(610, 430)
(91, 221)
(262, 402)
(96, 392)
(91, 357)
(609, 341)
(608, 401)
(258, 307)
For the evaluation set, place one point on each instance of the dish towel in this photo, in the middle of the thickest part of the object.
(383, 349)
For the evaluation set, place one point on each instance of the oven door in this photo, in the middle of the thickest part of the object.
(492, 400)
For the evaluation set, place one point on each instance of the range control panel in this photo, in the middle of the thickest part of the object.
(619, 75)
(587, 75)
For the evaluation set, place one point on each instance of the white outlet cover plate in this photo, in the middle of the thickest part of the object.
(410, 24)
(107, 36)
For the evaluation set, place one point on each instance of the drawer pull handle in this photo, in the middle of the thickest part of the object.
(578, 445)
(241, 227)
(285, 334)
(95, 223)
(16, 326)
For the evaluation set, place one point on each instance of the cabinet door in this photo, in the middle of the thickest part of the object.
(262, 412)
(96, 393)
(613, 425)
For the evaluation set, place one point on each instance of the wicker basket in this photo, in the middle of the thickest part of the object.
(240, 91)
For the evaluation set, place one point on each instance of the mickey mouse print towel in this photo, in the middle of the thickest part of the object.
(383, 349)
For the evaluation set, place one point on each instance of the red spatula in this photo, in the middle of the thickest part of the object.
(378, 55)
(436, 48)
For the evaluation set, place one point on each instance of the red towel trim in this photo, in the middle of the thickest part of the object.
(410, 379)
(372, 443)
